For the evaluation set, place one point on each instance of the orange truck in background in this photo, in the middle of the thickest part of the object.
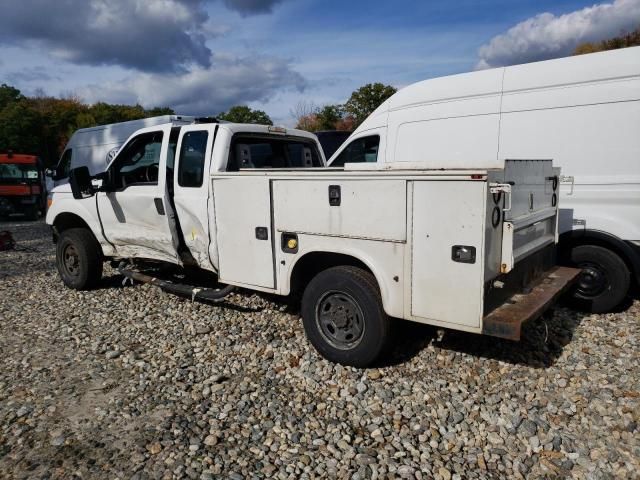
(22, 185)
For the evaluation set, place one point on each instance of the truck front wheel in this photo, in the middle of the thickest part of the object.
(343, 316)
(604, 281)
(78, 259)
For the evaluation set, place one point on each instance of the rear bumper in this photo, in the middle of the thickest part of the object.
(506, 320)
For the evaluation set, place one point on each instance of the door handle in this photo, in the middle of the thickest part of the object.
(335, 196)
(159, 206)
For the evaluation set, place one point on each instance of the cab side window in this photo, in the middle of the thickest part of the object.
(192, 156)
(360, 150)
(138, 161)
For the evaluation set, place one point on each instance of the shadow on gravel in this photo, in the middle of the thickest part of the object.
(542, 341)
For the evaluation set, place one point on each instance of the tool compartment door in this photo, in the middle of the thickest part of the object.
(447, 214)
(244, 233)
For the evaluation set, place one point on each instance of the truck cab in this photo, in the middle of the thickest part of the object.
(22, 185)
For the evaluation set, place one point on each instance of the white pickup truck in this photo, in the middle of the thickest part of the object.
(469, 249)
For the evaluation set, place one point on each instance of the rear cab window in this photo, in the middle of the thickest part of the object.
(261, 151)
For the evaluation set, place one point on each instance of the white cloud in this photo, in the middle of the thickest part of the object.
(203, 91)
(548, 36)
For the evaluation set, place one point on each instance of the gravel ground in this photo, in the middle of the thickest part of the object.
(130, 382)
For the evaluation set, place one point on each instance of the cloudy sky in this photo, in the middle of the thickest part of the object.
(202, 56)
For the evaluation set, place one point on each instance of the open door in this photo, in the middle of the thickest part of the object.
(135, 211)
(191, 189)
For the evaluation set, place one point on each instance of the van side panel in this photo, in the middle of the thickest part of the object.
(598, 144)
(453, 123)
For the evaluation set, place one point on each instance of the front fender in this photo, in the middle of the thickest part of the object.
(84, 209)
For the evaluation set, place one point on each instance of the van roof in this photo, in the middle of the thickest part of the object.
(182, 119)
(18, 158)
(612, 64)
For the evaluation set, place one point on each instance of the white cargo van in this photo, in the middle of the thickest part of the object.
(95, 147)
(583, 111)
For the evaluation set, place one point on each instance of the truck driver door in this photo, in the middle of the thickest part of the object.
(135, 211)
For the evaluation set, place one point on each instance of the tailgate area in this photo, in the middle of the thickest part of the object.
(524, 293)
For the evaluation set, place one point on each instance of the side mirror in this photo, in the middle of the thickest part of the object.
(80, 181)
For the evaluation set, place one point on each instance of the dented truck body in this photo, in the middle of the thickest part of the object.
(363, 243)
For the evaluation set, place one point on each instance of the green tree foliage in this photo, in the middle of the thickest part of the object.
(8, 94)
(42, 125)
(624, 40)
(327, 117)
(16, 119)
(366, 99)
(347, 117)
(244, 114)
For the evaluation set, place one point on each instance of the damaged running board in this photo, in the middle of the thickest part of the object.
(507, 320)
(199, 293)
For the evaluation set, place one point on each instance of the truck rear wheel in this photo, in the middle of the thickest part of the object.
(343, 316)
(604, 281)
(78, 259)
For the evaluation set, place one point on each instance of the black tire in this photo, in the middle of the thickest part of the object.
(79, 259)
(354, 328)
(604, 282)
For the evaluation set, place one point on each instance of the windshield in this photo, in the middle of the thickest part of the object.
(17, 172)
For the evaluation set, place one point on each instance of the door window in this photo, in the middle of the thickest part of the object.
(361, 150)
(192, 156)
(138, 162)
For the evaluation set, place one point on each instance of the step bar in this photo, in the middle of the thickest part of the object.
(506, 321)
(195, 293)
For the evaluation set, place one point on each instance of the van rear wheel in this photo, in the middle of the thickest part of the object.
(343, 316)
(79, 259)
(604, 281)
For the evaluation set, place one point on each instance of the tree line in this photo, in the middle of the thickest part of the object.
(624, 40)
(42, 125)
